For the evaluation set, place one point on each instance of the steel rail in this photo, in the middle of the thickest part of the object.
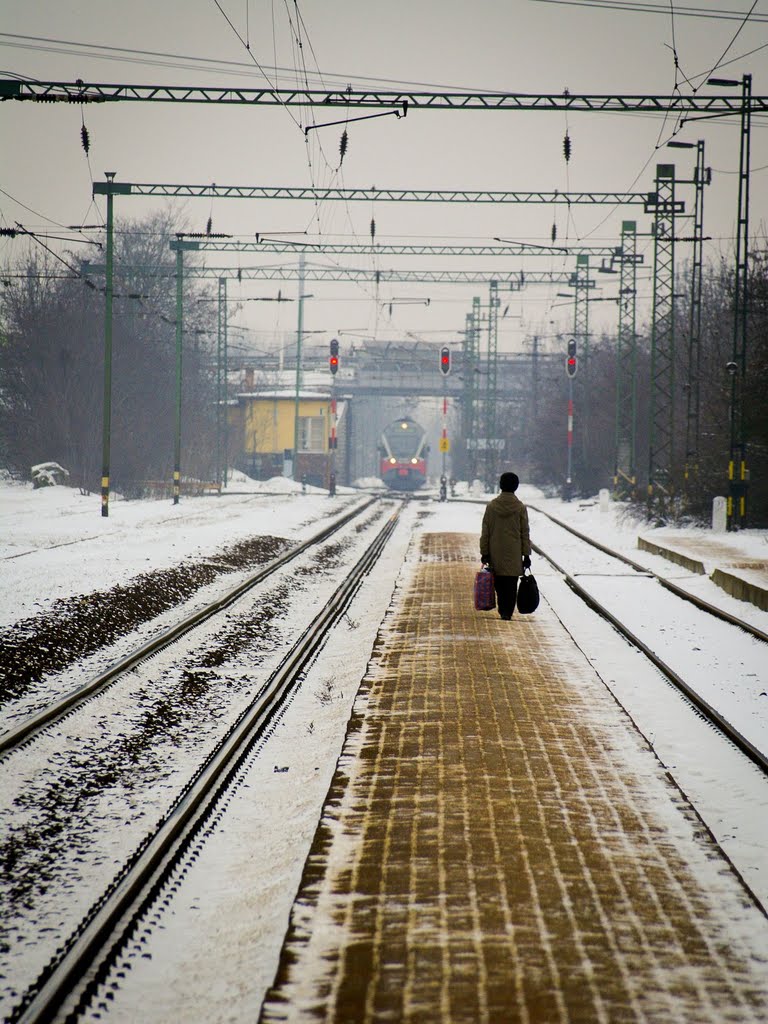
(33, 724)
(704, 707)
(401, 100)
(79, 968)
(699, 602)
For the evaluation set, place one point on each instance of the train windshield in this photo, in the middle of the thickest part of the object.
(404, 439)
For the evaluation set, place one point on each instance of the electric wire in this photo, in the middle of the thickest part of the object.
(733, 40)
(630, 7)
(255, 61)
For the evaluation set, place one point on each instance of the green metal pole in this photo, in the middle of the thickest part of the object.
(299, 333)
(491, 458)
(624, 475)
(219, 343)
(225, 385)
(106, 434)
(179, 332)
(738, 475)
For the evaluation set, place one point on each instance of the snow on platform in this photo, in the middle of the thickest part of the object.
(500, 843)
(730, 565)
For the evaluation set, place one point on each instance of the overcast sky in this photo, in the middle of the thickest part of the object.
(515, 45)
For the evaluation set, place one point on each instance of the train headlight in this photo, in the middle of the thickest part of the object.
(393, 461)
(415, 461)
(403, 426)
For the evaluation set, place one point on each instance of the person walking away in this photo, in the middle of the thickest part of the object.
(505, 542)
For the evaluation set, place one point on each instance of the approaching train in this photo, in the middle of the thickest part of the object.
(403, 450)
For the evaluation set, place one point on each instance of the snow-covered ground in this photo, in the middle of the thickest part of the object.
(55, 544)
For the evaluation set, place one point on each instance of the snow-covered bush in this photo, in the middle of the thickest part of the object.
(48, 474)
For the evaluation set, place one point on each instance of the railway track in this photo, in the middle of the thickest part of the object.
(32, 724)
(76, 970)
(686, 595)
(716, 636)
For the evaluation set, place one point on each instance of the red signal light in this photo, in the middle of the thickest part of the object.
(333, 363)
(571, 363)
(445, 360)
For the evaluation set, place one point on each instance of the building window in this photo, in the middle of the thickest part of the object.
(312, 433)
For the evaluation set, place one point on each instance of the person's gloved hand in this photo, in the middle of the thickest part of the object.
(526, 561)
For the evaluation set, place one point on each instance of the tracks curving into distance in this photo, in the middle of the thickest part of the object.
(74, 973)
(33, 724)
(692, 690)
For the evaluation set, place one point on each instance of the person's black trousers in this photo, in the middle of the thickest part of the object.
(506, 594)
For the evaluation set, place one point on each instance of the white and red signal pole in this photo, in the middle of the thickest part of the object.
(445, 369)
(333, 365)
(571, 366)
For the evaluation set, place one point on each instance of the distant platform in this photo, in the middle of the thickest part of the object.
(743, 578)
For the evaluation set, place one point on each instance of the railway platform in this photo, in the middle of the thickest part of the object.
(739, 574)
(500, 844)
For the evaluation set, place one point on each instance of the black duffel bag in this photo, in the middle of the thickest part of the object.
(527, 593)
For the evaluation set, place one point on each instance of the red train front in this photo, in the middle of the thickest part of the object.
(403, 450)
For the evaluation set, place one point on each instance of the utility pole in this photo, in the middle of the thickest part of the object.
(738, 474)
(701, 176)
(225, 378)
(581, 285)
(299, 334)
(222, 312)
(533, 419)
(625, 473)
(662, 417)
(106, 430)
(179, 245)
(490, 460)
(179, 349)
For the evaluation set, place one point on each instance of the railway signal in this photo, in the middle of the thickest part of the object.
(445, 361)
(333, 362)
(571, 362)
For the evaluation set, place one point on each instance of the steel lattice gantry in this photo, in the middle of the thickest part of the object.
(401, 101)
(512, 280)
(397, 100)
(625, 472)
(349, 195)
(268, 245)
(662, 411)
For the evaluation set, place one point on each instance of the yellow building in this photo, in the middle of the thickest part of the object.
(261, 435)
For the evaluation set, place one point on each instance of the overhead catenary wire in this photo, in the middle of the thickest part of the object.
(647, 7)
(718, 62)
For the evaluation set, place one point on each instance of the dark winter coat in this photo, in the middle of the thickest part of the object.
(505, 538)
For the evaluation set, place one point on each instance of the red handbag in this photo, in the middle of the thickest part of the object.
(485, 595)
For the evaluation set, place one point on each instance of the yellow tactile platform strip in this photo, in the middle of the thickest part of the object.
(500, 845)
